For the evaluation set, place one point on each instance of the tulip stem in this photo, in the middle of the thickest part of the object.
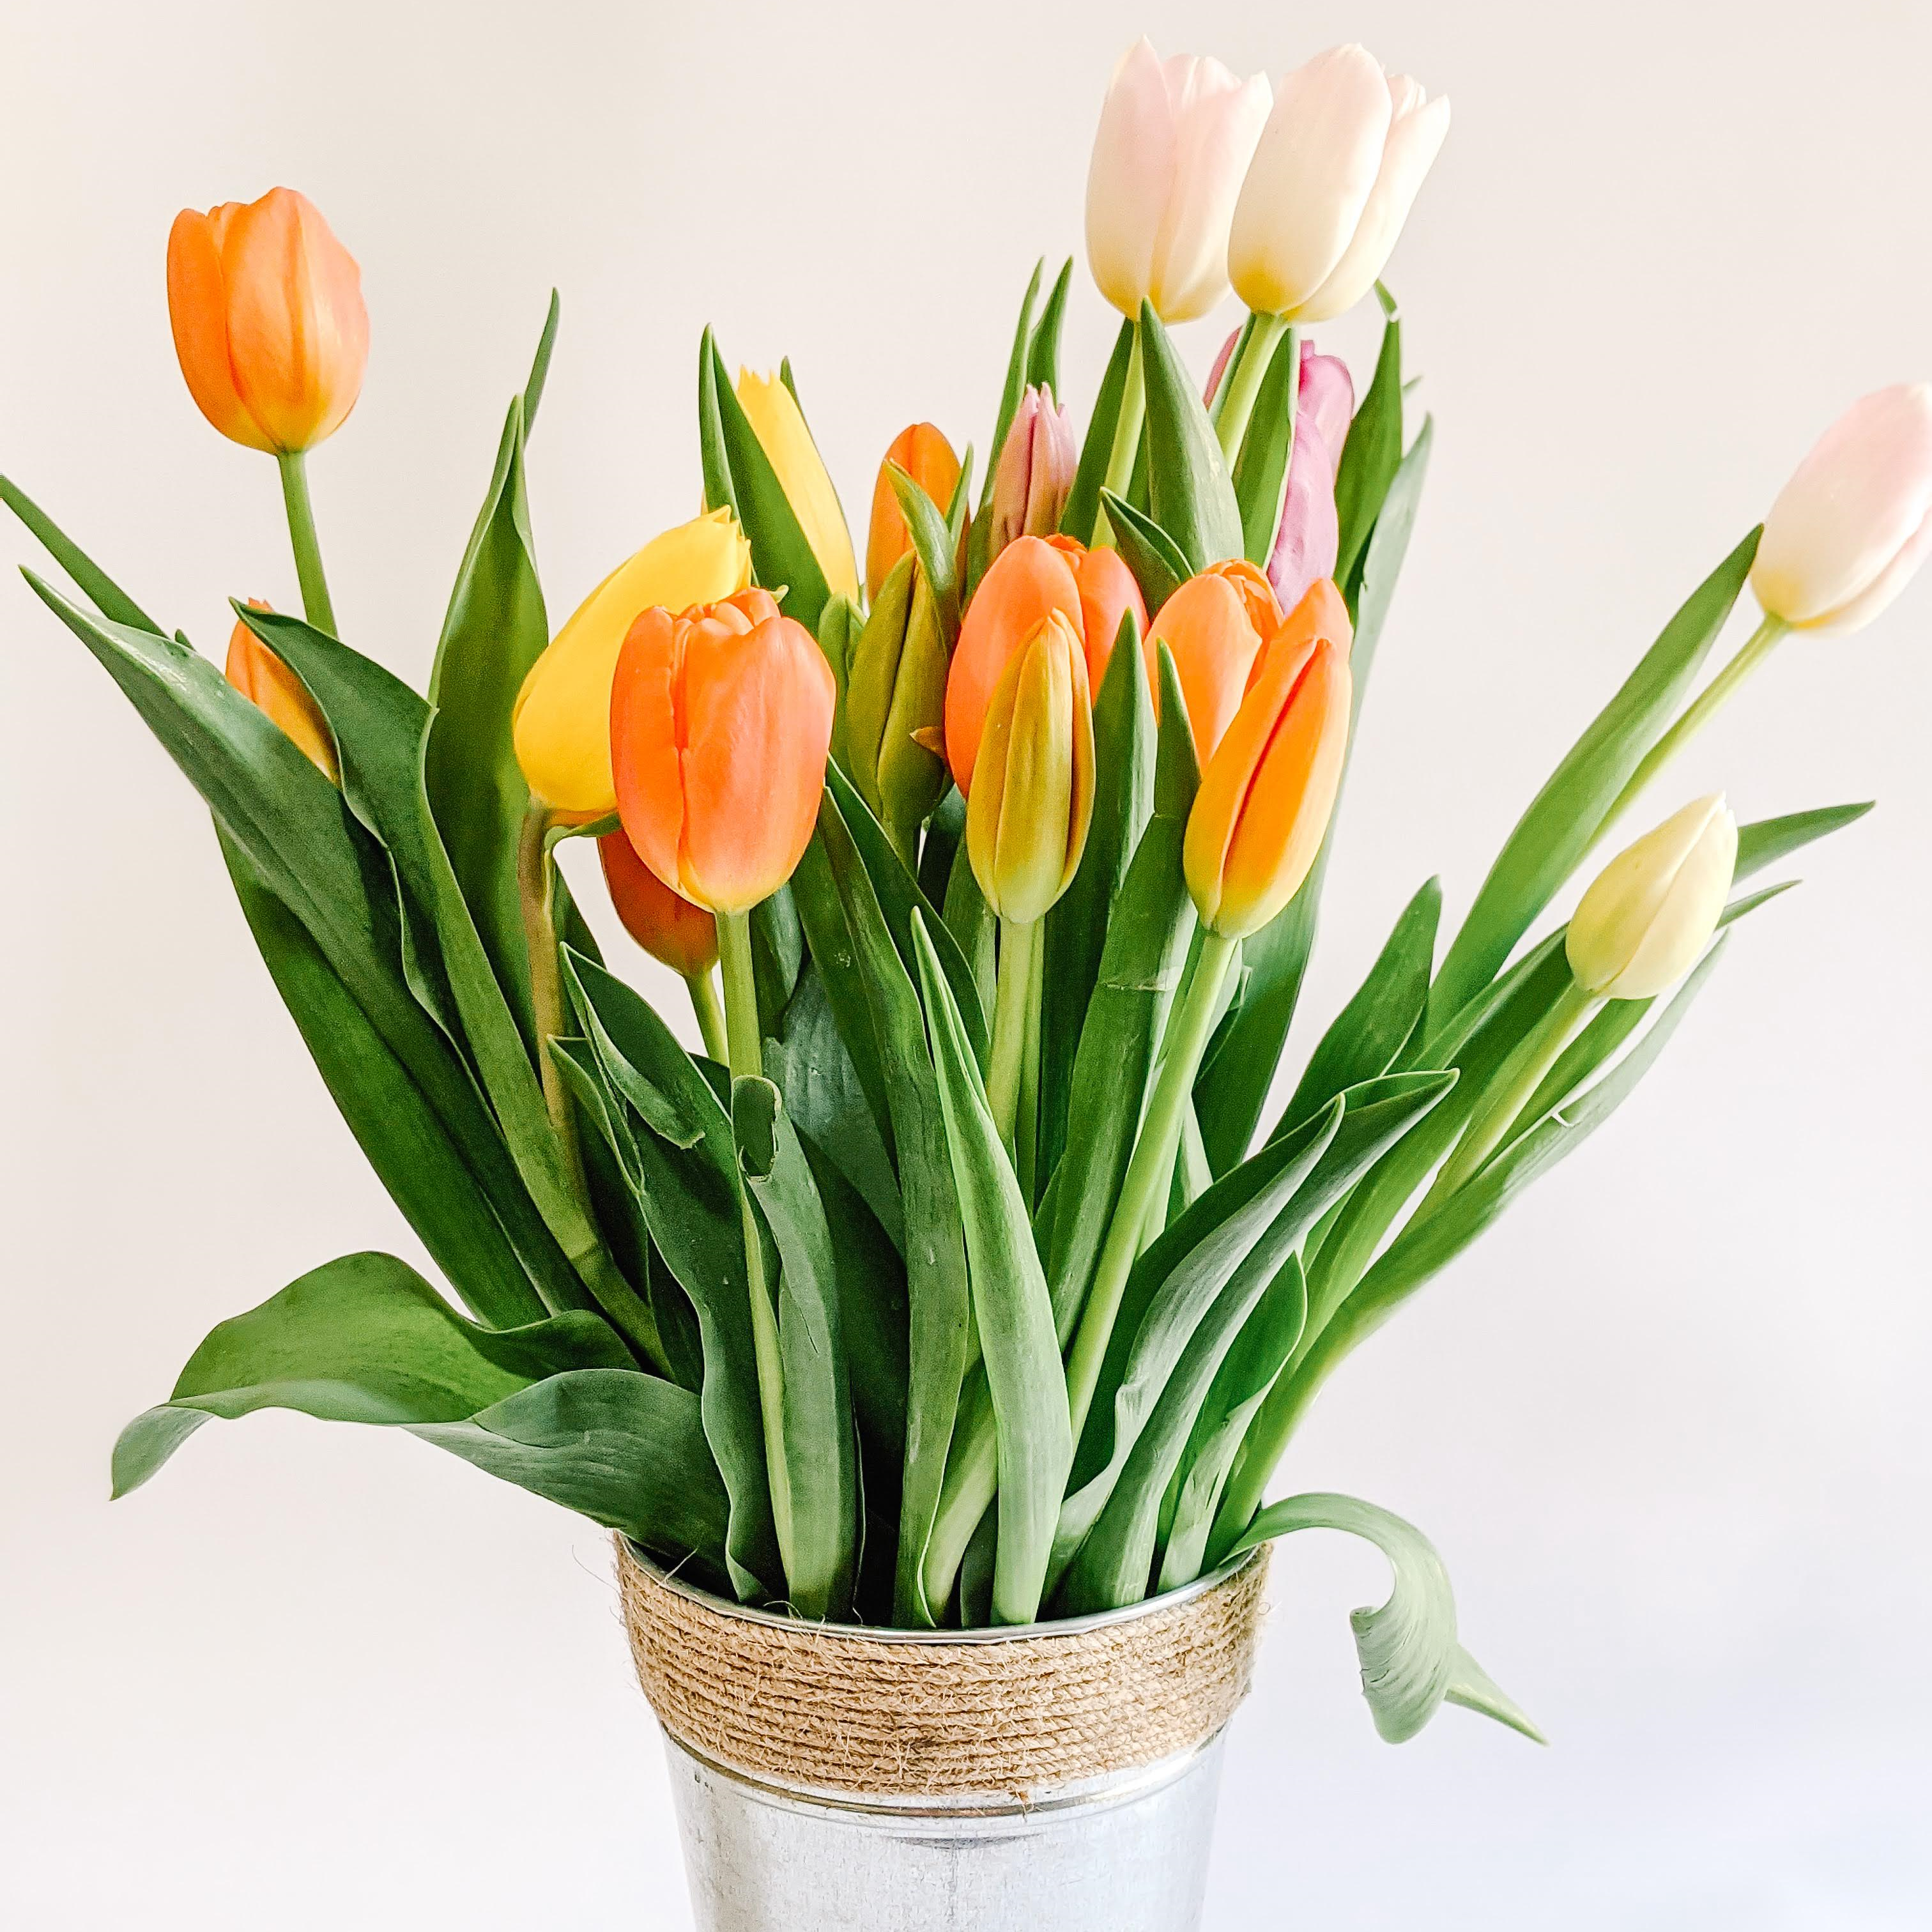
(1756, 648)
(710, 1015)
(1126, 445)
(315, 605)
(1188, 1029)
(1244, 383)
(745, 1055)
(1006, 1073)
(1026, 1124)
(1518, 1077)
(535, 894)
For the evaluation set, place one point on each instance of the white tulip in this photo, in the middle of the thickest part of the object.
(1174, 140)
(1331, 183)
(1855, 521)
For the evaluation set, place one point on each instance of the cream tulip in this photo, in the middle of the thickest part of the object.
(1332, 181)
(1175, 139)
(1855, 521)
(1651, 910)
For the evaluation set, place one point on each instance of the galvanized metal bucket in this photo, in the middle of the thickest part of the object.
(839, 1779)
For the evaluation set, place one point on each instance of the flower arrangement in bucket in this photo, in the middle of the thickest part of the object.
(932, 1339)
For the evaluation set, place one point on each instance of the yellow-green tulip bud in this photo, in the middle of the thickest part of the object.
(1651, 910)
(895, 704)
(1032, 799)
(773, 413)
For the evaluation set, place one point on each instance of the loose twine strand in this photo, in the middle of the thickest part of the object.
(807, 1705)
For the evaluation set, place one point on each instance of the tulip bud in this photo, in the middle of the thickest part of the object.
(1092, 588)
(1033, 796)
(1175, 139)
(266, 307)
(269, 684)
(1333, 176)
(895, 702)
(1308, 540)
(1855, 521)
(1036, 471)
(1215, 625)
(927, 457)
(720, 722)
(684, 936)
(1651, 910)
(560, 724)
(772, 411)
(1267, 793)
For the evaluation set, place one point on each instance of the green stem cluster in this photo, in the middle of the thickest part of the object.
(1243, 382)
(1126, 443)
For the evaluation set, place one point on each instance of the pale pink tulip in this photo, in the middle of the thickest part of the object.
(1174, 141)
(1855, 521)
(1332, 178)
(1308, 538)
(1035, 470)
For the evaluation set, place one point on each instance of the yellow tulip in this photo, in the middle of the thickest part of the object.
(1651, 910)
(773, 413)
(561, 725)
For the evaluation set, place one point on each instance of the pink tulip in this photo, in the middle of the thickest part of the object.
(1308, 538)
(1855, 521)
(1035, 471)
(1174, 144)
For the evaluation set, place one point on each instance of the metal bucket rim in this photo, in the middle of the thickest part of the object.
(1166, 1599)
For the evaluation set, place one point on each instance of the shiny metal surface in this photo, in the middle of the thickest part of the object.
(1124, 1854)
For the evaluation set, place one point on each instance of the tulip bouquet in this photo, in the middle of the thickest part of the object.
(967, 1275)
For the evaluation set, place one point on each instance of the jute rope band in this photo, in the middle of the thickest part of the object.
(814, 1706)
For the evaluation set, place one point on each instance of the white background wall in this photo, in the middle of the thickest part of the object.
(1668, 1425)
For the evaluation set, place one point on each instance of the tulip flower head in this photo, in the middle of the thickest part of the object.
(720, 720)
(1092, 588)
(1035, 472)
(684, 936)
(1308, 539)
(1855, 521)
(1215, 625)
(772, 411)
(561, 723)
(1333, 176)
(927, 457)
(1032, 799)
(1174, 141)
(269, 324)
(894, 702)
(1267, 792)
(269, 684)
(1651, 910)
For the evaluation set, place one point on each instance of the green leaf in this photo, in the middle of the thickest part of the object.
(1043, 351)
(1191, 496)
(821, 1459)
(778, 957)
(1011, 1310)
(1382, 561)
(1261, 469)
(1076, 927)
(1154, 556)
(1412, 1662)
(1260, 1353)
(938, 1286)
(1083, 501)
(1768, 840)
(934, 546)
(1371, 453)
(1554, 835)
(406, 1141)
(362, 1339)
(1015, 384)
(737, 472)
(689, 1195)
(1375, 1026)
(94, 584)
(625, 1449)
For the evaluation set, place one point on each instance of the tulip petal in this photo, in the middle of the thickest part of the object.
(773, 413)
(1128, 179)
(198, 311)
(1218, 119)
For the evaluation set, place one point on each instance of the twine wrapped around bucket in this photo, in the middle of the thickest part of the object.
(898, 1714)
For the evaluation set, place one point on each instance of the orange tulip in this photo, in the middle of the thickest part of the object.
(721, 720)
(268, 321)
(269, 684)
(927, 457)
(1215, 625)
(1267, 791)
(1031, 577)
(666, 925)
